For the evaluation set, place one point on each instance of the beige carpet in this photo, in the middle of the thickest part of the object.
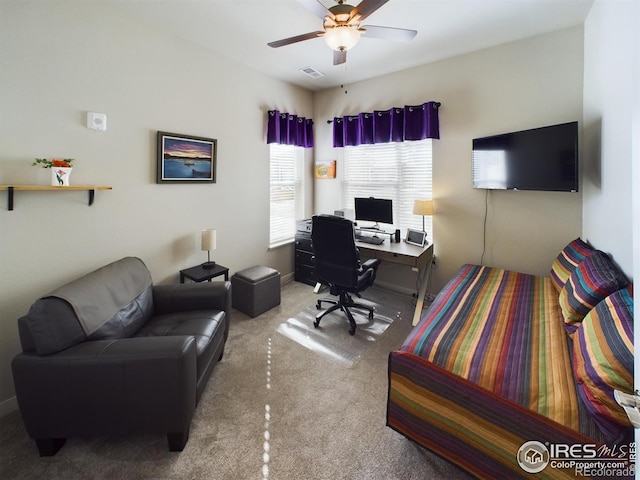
(273, 409)
(331, 338)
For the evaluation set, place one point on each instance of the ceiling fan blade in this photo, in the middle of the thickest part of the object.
(389, 33)
(315, 7)
(296, 39)
(366, 8)
(339, 57)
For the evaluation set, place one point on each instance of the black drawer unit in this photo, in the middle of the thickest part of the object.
(304, 262)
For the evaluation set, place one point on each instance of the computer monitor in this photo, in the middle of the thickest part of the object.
(378, 210)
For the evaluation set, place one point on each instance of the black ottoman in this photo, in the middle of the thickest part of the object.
(255, 290)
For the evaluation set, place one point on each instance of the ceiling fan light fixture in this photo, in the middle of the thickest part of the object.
(341, 37)
(341, 26)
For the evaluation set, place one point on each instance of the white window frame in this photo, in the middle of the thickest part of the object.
(399, 171)
(286, 192)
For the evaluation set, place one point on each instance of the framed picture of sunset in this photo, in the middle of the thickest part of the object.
(186, 159)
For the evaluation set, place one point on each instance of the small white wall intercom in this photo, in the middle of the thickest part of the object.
(97, 121)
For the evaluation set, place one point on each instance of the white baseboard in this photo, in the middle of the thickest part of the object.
(284, 279)
(8, 406)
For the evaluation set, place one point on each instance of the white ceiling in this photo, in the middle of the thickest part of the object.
(241, 29)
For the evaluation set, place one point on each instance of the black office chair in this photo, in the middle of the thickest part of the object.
(337, 264)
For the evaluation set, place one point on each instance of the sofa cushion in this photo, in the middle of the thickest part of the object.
(568, 259)
(113, 301)
(128, 320)
(595, 278)
(203, 325)
(101, 294)
(51, 326)
(603, 360)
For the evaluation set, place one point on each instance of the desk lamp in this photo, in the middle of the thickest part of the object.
(423, 207)
(208, 243)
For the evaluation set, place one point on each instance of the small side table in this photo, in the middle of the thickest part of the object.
(200, 274)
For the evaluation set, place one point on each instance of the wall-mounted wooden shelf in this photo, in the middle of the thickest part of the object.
(88, 188)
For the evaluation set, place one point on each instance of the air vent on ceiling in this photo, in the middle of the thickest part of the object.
(312, 72)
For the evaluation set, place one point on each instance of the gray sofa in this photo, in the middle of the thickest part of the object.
(112, 354)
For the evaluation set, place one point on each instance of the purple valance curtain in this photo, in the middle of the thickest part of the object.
(398, 124)
(288, 129)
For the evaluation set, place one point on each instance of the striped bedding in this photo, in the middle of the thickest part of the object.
(486, 370)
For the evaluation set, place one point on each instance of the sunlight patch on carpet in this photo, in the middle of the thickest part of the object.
(332, 338)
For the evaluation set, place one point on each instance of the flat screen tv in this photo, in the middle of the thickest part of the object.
(379, 210)
(543, 158)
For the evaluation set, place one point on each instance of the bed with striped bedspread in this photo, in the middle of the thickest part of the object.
(487, 369)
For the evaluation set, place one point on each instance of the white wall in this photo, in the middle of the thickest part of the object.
(612, 138)
(610, 88)
(525, 84)
(61, 59)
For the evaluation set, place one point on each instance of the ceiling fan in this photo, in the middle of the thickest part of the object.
(342, 27)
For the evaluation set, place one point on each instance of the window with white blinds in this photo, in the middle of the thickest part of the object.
(286, 192)
(397, 171)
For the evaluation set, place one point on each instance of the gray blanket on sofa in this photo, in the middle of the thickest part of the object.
(99, 295)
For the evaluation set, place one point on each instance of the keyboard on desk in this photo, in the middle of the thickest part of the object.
(371, 240)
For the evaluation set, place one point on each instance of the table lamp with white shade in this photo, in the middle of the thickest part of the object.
(423, 207)
(208, 243)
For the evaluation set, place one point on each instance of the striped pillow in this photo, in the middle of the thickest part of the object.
(568, 260)
(595, 278)
(603, 360)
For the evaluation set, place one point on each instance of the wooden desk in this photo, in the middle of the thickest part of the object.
(404, 254)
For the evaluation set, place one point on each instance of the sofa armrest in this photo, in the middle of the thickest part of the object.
(192, 296)
(140, 384)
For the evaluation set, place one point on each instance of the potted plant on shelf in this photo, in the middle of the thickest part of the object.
(60, 170)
